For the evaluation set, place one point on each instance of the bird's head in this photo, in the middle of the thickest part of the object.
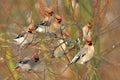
(89, 25)
(49, 11)
(31, 28)
(58, 19)
(89, 41)
(35, 58)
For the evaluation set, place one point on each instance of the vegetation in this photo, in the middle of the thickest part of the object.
(18, 14)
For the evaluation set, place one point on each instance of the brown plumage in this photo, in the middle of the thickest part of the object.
(26, 37)
(56, 24)
(85, 54)
(87, 31)
(48, 17)
(28, 63)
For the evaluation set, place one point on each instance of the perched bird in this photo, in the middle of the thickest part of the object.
(87, 31)
(57, 27)
(25, 37)
(28, 63)
(56, 24)
(85, 54)
(61, 47)
(61, 34)
(46, 21)
(48, 17)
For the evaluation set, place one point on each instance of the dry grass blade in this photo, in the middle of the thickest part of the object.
(36, 75)
(11, 75)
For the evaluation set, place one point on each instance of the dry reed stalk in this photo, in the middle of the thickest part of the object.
(72, 9)
(111, 7)
(101, 12)
(57, 8)
(36, 75)
(41, 8)
(12, 74)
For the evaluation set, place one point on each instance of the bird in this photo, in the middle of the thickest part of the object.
(57, 27)
(56, 24)
(85, 54)
(86, 31)
(46, 21)
(54, 28)
(28, 63)
(26, 37)
(60, 47)
(48, 17)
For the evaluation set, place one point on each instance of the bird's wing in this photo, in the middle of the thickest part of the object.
(22, 62)
(39, 25)
(25, 60)
(20, 35)
(82, 52)
(62, 27)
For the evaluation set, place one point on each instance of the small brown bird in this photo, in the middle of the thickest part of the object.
(60, 50)
(28, 63)
(87, 31)
(48, 18)
(56, 24)
(46, 21)
(26, 37)
(85, 54)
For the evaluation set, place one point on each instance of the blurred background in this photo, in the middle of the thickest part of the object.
(15, 15)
